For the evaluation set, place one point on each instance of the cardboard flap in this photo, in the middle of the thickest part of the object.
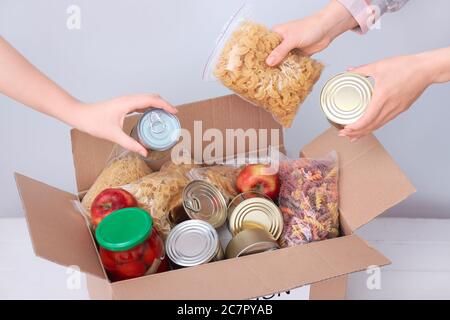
(370, 182)
(58, 232)
(91, 154)
(257, 275)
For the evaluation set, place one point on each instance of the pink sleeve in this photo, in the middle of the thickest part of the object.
(367, 12)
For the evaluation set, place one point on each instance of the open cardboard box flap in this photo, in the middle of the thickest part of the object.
(60, 234)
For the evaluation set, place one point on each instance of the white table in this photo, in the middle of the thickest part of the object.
(418, 248)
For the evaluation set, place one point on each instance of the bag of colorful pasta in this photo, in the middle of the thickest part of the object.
(239, 62)
(309, 199)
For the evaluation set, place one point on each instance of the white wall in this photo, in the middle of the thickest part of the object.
(161, 46)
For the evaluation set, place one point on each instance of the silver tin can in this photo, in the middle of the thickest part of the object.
(345, 98)
(242, 197)
(158, 131)
(192, 243)
(203, 201)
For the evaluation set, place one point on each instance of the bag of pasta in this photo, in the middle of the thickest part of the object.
(309, 200)
(223, 177)
(157, 193)
(239, 62)
(121, 169)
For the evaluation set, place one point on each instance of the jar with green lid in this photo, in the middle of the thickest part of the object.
(130, 246)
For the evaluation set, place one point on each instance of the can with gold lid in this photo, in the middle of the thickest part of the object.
(203, 201)
(256, 213)
(345, 98)
(192, 243)
(250, 241)
(242, 197)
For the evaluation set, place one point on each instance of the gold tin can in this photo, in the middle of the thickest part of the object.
(203, 201)
(345, 98)
(256, 213)
(250, 241)
(242, 197)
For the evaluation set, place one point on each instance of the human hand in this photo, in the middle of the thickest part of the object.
(312, 34)
(399, 82)
(105, 119)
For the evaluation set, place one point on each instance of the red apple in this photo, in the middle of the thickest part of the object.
(108, 201)
(260, 178)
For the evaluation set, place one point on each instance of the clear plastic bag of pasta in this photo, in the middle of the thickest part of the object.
(223, 177)
(309, 199)
(239, 62)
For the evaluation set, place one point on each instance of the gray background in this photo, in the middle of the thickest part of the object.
(161, 46)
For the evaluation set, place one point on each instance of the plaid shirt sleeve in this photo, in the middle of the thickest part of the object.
(367, 12)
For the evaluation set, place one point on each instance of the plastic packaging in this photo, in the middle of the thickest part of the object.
(309, 200)
(223, 177)
(158, 193)
(122, 168)
(239, 62)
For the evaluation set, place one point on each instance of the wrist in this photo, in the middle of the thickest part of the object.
(336, 20)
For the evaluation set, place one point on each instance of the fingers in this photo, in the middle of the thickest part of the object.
(372, 112)
(144, 101)
(279, 53)
(364, 70)
(125, 141)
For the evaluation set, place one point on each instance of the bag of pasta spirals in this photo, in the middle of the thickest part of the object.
(309, 200)
(239, 62)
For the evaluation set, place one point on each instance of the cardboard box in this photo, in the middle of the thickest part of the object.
(370, 183)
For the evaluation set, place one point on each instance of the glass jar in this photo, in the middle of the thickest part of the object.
(130, 246)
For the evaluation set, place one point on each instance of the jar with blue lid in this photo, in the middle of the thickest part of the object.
(158, 131)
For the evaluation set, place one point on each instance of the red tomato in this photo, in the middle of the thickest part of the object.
(129, 255)
(156, 244)
(107, 260)
(131, 270)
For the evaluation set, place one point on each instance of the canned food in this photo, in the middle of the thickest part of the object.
(158, 131)
(203, 201)
(193, 243)
(345, 98)
(250, 241)
(244, 196)
(257, 213)
(177, 215)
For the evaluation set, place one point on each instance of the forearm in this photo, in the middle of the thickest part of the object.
(440, 65)
(24, 83)
(336, 19)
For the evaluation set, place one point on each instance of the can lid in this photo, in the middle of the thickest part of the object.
(250, 241)
(158, 130)
(203, 201)
(192, 243)
(124, 229)
(345, 97)
(254, 213)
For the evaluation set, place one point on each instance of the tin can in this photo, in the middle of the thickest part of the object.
(256, 213)
(203, 201)
(192, 243)
(242, 197)
(177, 215)
(345, 98)
(250, 241)
(158, 131)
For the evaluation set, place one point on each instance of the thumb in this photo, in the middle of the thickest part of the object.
(279, 53)
(125, 141)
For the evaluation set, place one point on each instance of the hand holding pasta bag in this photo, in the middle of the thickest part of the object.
(239, 62)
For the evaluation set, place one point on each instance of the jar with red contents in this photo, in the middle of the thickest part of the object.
(130, 246)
